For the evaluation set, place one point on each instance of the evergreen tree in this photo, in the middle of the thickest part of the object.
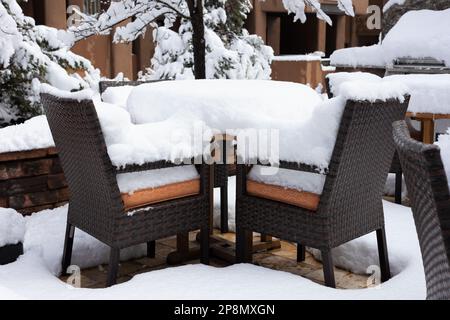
(231, 52)
(29, 55)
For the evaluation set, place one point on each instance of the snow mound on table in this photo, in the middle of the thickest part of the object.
(417, 34)
(12, 227)
(420, 34)
(32, 134)
(222, 104)
(117, 95)
(430, 93)
(133, 181)
(371, 56)
(30, 276)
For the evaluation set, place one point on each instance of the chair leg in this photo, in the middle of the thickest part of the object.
(224, 209)
(328, 270)
(244, 246)
(398, 187)
(204, 245)
(113, 267)
(383, 255)
(68, 245)
(151, 249)
(300, 252)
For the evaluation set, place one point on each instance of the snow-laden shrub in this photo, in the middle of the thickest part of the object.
(29, 55)
(231, 52)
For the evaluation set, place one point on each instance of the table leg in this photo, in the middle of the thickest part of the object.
(427, 131)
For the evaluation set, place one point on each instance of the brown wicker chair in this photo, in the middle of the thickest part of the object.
(96, 206)
(351, 203)
(395, 165)
(430, 200)
(221, 171)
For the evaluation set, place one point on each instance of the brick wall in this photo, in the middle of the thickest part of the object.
(31, 181)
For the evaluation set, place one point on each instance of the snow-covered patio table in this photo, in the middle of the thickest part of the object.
(430, 95)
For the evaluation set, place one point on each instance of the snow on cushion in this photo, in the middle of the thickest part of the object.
(302, 189)
(143, 188)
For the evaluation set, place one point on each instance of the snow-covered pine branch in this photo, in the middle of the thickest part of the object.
(29, 55)
(195, 41)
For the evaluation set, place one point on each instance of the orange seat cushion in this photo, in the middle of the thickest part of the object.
(145, 197)
(306, 200)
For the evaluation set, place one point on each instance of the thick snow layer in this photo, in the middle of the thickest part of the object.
(361, 90)
(223, 104)
(86, 94)
(32, 134)
(33, 275)
(295, 110)
(129, 143)
(133, 181)
(417, 34)
(297, 57)
(117, 95)
(371, 56)
(429, 93)
(12, 227)
(420, 34)
(301, 181)
(337, 79)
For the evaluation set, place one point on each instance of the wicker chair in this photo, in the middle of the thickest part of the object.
(395, 165)
(96, 205)
(351, 203)
(221, 171)
(430, 200)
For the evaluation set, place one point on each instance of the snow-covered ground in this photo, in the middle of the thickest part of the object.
(34, 275)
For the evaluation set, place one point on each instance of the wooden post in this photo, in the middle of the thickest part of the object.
(427, 131)
(321, 35)
(274, 33)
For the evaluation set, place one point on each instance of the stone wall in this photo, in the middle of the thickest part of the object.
(32, 180)
(391, 17)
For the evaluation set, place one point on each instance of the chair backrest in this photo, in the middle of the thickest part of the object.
(359, 167)
(103, 85)
(87, 167)
(428, 192)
